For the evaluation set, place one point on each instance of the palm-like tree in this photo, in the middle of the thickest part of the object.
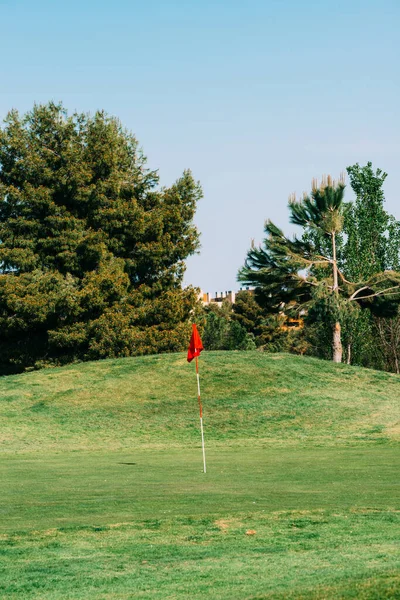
(283, 271)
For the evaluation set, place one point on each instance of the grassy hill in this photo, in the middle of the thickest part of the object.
(151, 402)
(103, 494)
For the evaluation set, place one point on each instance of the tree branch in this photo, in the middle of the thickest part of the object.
(366, 287)
(376, 294)
(343, 277)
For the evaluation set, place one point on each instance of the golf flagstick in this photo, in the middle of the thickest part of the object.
(195, 347)
(201, 415)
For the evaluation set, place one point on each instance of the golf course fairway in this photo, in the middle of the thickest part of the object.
(103, 494)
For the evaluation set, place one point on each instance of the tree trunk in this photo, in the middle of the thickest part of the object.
(348, 354)
(334, 265)
(337, 338)
(337, 343)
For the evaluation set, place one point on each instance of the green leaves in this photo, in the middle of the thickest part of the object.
(78, 204)
(308, 275)
(321, 210)
(275, 270)
(221, 332)
(372, 234)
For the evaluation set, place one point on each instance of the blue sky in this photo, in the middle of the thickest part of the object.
(256, 97)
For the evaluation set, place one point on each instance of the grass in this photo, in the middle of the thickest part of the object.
(103, 494)
(150, 402)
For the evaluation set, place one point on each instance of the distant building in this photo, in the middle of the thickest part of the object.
(288, 322)
(219, 297)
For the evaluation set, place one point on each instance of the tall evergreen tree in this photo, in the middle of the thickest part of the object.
(222, 332)
(370, 243)
(92, 250)
(249, 314)
(271, 332)
(285, 272)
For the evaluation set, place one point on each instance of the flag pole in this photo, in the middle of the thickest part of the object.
(201, 415)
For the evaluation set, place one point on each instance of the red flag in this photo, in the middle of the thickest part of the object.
(195, 345)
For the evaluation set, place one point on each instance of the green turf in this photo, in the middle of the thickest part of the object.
(249, 398)
(102, 494)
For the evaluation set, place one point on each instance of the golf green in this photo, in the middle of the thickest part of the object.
(95, 489)
(261, 523)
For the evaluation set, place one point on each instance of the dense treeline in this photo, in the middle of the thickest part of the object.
(92, 250)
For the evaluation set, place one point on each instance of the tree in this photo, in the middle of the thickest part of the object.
(222, 332)
(249, 314)
(388, 331)
(215, 331)
(238, 339)
(369, 243)
(285, 272)
(372, 243)
(92, 250)
(272, 333)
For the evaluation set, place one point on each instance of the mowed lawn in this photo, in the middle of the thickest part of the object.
(103, 495)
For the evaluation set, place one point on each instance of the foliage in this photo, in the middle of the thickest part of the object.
(277, 269)
(221, 332)
(92, 251)
(359, 346)
(293, 275)
(238, 338)
(370, 243)
(272, 332)
(249, 314)
(215, 330)
(387, 334)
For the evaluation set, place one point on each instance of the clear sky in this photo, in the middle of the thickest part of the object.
(257, 97)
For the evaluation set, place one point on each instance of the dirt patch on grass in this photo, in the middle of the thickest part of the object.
(50, 532)
(393, 430)
(226, 524)
(222, 524)
(276, 390)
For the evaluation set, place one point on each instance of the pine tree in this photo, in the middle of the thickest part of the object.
(92, 250)
(294, 274)
(370, 243)
(249, 313)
